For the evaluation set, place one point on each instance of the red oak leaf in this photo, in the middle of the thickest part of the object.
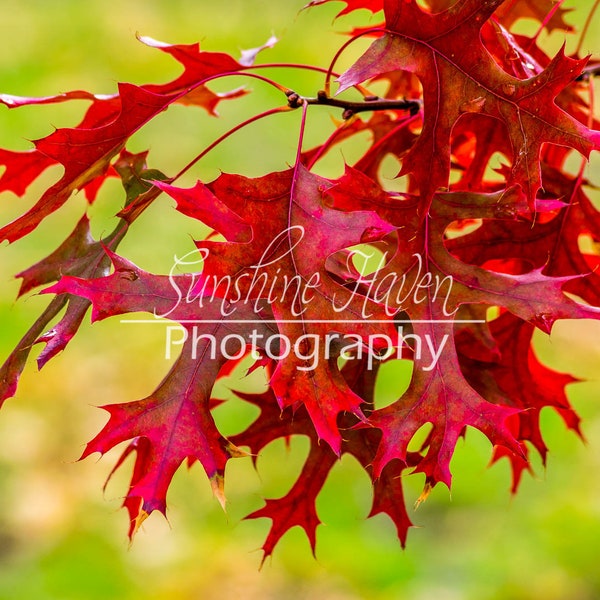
(176, 418)
(456, 82)
(22, 169)
(86, 151)
(177, 424)
(78, 255)
(297, 507)
(352, 5)
(439, 392)
(86, 154)
(532, 296)
(199, 65)
(547, 12)
(443, 398)
(525, 384)
(301, 292)
(551, 244)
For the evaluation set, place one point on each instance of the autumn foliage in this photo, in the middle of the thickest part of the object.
(468, 257)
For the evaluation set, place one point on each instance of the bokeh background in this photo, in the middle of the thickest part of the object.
(61, 538)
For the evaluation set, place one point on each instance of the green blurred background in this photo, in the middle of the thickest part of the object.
(61, 539)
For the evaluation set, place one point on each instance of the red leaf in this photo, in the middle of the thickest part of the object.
(351, 5)
(539, 10)
(441, 397)
(176, 418)
(79, 255)
(200, 203)
(22, 169)
(297, 507)
(176, 422)
(458, 81)
(86, 151)
(521, 380)
(298, 221)
(86, 154)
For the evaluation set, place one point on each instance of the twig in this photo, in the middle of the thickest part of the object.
(351, 108)
(589, 71)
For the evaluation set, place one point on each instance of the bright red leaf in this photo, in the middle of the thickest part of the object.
(457, 82)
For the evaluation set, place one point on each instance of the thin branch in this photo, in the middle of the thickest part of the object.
(351, 108)
(589, 71)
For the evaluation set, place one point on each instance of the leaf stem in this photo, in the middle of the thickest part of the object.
(324, 148)
(327, 85)
(545, 22)
(284, 65)
(588, 21)
(231, 131)
(390, 134)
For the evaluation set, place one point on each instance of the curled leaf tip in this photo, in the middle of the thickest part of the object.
(217, 483)
(137, 523)
(424, 495)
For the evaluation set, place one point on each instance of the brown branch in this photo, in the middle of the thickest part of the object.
(589, 71)
(351, 108)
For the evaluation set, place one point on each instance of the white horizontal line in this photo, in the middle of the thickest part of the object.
(314, 321)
